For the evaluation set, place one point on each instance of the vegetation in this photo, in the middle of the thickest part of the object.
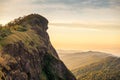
(4, 32)
(32, 19)
(76, 60)
(107, 69)
(20, 24)
(27, 53)
(19, 28)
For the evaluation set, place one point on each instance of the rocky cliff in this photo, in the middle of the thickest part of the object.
(26, 52)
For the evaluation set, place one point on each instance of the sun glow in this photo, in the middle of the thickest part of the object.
(78, 38)
(74, 24)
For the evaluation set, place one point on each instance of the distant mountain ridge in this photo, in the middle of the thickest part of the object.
(92, 65)
(76, 59)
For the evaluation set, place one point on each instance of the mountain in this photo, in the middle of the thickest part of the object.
(91, 65)
(75, 59)
(106, 69)
(26, 52)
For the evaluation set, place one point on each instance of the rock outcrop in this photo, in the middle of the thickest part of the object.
(26, 52)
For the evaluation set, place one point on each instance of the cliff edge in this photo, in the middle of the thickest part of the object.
(26, 52)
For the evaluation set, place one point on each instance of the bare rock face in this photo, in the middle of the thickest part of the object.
(27, 54)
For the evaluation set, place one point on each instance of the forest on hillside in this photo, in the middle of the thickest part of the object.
(106, 69)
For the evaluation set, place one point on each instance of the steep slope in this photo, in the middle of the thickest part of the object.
(26, 52)
(106, 69)
(76, 59)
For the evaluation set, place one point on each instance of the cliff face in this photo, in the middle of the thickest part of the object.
(27, 54)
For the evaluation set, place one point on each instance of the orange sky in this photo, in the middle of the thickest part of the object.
(81, 38)
(73, 24)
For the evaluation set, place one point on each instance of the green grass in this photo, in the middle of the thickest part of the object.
(19, 28)
(4, 32)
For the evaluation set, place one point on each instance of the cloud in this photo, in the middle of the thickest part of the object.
(81, 3)
(100, 26)
(68, 3)
(2, 1)
(63, 10)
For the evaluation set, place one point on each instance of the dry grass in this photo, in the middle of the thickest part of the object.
(2, 61)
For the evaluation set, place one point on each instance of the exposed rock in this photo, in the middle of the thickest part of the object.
(27, 53)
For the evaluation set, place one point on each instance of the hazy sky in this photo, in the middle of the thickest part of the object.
(74, 24)
(75, 11)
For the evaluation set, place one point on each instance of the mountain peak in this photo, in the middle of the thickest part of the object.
(26, 52)
(31, 19)
(36, 18)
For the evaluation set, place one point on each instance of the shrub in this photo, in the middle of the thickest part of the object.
(4, 32)
(20, 28)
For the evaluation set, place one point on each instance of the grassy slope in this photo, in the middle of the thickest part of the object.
(106, 69)
(17, 33)
(31, 41)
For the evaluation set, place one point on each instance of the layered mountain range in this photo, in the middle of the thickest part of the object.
(92, 65)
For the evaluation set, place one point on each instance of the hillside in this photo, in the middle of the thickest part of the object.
(76, 59)
(106, 69)
(26, 52)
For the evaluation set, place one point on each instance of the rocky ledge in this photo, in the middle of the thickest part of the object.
(26, 52)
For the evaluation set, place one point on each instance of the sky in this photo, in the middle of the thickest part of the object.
(73, 24)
